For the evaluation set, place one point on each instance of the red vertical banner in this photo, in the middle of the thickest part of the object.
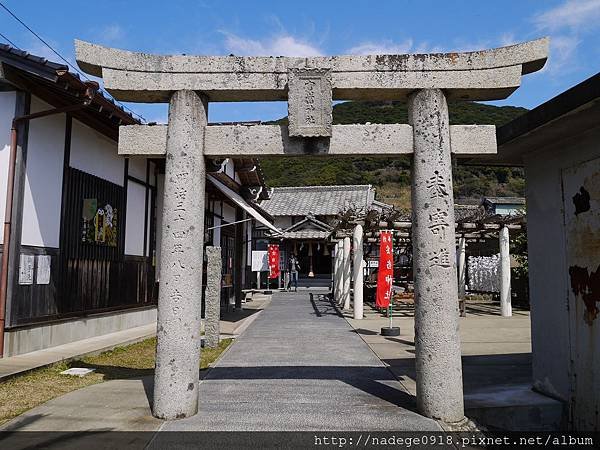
(273, 255)
(385, 275)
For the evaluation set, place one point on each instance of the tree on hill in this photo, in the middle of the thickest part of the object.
(391, 176)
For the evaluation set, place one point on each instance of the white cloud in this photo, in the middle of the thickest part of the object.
(111, 33)
(574, 14)
(280, 45)
(566, 24)
(381, 48)
(563, 49)
(388, 47)
(507, 39)
(38, 48)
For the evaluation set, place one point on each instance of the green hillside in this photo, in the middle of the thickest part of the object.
(391, 176)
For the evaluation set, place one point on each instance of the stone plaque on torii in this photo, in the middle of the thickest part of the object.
(310, 85)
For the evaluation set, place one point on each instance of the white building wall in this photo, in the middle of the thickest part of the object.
(552, 319)
(94, 153)
(134, 220)
(230, 168)
(43, 178)
(7, 113)
(160, 183)
(134, 235)
(149, 223)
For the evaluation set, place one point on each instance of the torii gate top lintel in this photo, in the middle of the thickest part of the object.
(482, 75)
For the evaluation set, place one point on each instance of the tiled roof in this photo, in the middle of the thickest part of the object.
(505, 200)
(309, 221)
(380, 206)
(68, 83)
(317, 200)
(465, 212)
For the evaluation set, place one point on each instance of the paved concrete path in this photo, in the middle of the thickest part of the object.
(298, 366)
(301, 366)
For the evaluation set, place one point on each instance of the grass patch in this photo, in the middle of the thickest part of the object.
(23, 392)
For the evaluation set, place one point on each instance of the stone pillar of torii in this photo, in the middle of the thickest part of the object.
(189, 83)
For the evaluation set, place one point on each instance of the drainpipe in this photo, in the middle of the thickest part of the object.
(89, 96)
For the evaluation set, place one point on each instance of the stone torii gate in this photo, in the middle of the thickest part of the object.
(309, 85)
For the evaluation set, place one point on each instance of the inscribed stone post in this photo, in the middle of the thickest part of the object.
(212, 297)
(178, 328)
(437, 341)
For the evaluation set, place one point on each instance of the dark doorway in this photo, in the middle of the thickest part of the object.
(315, 255)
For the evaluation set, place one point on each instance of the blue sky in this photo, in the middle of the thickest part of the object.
(319, 28)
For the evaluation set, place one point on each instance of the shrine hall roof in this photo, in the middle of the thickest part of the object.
(317, 200)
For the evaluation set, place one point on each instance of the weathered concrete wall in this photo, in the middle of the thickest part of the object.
(557, 320)
(44, 336)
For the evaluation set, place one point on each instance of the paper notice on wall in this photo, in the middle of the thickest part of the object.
(26, 265)
(260, 261)
(43, 269)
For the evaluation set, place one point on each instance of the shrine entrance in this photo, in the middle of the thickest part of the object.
(189, 83)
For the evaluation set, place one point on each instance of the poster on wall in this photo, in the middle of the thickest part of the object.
(43, 269)
(99, 223)
(26, 264)
(260, 261)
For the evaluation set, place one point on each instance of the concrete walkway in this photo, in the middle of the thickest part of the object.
(298, 366)
(301, 366)
(496, 362)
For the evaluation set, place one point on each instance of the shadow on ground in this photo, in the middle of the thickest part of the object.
(322, 305)
(370, 380)
(479, 371)
(237, 315)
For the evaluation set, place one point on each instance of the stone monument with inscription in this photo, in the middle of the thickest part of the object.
(310, 107)
(189, 83)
